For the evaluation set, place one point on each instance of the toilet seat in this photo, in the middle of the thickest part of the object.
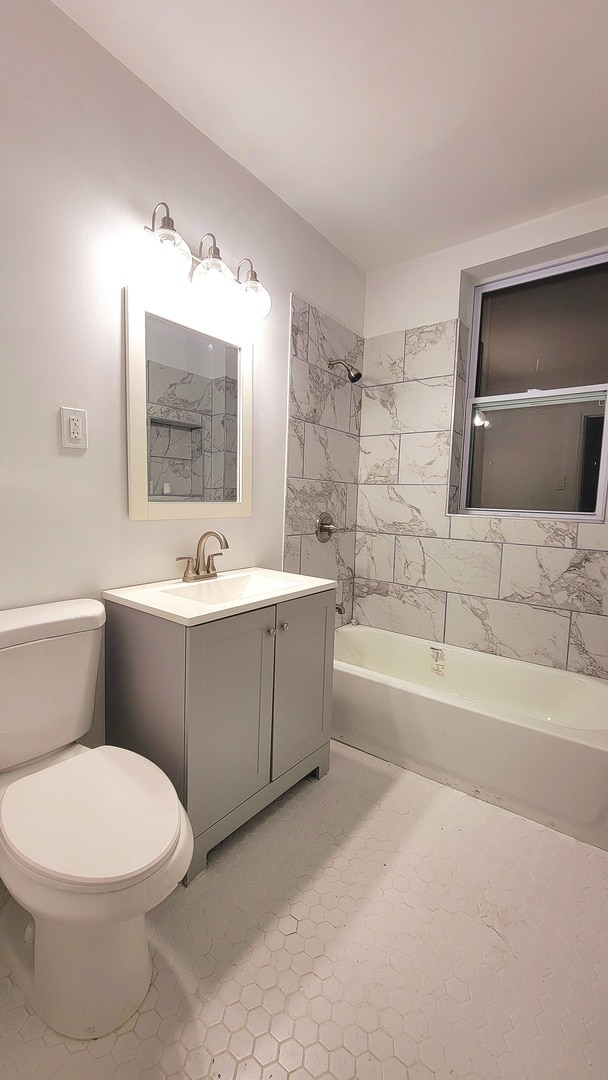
(105, 819)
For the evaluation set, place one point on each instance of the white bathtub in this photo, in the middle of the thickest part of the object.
(529, 738)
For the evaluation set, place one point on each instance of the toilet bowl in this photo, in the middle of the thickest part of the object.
(90, 840)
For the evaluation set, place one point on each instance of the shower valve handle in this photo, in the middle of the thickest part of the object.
(324, 527)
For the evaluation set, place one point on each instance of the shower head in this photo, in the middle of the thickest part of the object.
(353, 374)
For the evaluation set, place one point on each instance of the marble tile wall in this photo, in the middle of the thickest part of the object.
(323, 450)
(192, 440)
(535, 590)
(380, 456)
(175, 452)
(221, 457)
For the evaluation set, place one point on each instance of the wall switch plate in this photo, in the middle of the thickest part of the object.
(73, 428)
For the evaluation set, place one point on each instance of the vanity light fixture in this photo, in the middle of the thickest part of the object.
(208, 271)
(171, 242)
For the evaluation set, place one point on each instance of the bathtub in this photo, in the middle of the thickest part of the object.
(529, 738)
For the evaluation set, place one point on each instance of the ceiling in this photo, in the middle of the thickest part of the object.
(395, 127)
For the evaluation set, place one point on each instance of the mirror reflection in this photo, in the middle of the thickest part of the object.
(562, 441)
(192, 414)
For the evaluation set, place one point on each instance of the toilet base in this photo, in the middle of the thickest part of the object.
(82, 980)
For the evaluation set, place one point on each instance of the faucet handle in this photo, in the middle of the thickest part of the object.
(210, 570)
(190, 571)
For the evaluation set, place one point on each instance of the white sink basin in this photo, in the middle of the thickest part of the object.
(226, 588)
(231, 592)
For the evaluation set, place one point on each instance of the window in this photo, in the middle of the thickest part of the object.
(536, 398)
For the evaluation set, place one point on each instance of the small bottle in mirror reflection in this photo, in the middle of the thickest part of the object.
(166, 489)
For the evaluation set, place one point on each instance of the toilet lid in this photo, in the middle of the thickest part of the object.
(107, 815)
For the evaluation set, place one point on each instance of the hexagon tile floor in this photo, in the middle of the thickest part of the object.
(371, 926)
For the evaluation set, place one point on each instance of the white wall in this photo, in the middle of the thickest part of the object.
(423, 291)
(87, 151)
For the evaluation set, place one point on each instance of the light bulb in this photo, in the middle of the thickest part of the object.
(216, 286)
(174, 251)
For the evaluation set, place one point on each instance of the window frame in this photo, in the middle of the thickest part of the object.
(530, 397)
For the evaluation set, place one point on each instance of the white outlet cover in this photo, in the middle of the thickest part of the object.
(70, 420)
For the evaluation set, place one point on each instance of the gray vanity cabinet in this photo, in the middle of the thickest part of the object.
(303, 678)
(235, 711)
(229, 686)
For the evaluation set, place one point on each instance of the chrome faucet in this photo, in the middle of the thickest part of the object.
(200, 568)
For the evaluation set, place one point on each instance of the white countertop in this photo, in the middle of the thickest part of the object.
(183, 602)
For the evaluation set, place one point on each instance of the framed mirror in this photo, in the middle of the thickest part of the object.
(189, 409)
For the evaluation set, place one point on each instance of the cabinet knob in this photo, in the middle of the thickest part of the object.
(284, 626)
(272, 631)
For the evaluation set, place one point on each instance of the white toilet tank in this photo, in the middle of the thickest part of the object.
(49, 656)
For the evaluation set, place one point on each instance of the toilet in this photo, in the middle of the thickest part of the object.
(90, 840)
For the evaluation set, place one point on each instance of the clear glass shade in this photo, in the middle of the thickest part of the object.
(173, 251)
(216, 286)
(255, 300)
(210, 270)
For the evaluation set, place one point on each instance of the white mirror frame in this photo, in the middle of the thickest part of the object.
(179, 306)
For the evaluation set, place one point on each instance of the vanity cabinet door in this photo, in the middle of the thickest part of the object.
(303, 678)
(229, 670)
